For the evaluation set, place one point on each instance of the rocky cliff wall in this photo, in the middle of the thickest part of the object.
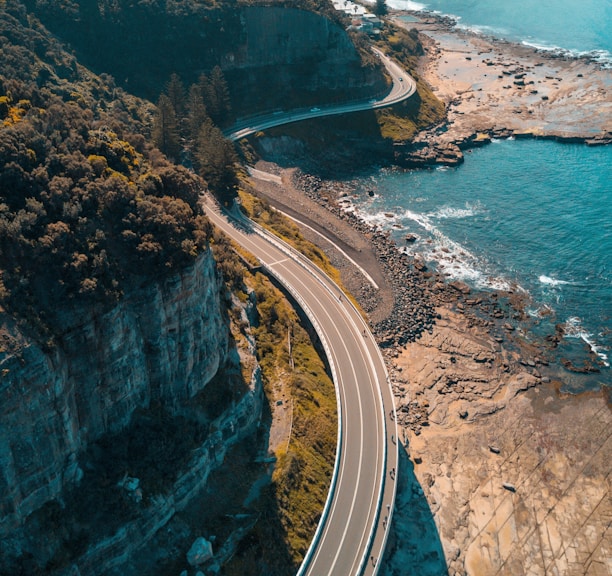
(275, 35)
(163, 343)
(286, 56)
(271, 56)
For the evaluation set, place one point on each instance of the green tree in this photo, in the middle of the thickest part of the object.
(221, 94)
(165, 132)
(216, 160)
(208, 96)
(175, 90)
(380, 9)
(196, 111)
(215, 94)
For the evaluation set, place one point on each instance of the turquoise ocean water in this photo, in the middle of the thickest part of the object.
(575, 26)
(529, 214)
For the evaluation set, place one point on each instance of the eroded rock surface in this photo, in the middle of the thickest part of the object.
(516, 476)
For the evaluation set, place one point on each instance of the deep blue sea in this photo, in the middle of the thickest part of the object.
(533, 215)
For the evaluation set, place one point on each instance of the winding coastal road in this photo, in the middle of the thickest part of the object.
(403, 86)
(352, 532)
(351, 536)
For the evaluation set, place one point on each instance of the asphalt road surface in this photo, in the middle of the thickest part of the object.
(352, 531)
(403, 87)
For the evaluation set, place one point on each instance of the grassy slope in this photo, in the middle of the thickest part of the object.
(293, 503)
(402, 121)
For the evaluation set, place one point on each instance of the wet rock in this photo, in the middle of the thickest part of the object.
(200, 552)
(460, 287)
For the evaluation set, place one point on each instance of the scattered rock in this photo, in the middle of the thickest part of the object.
(200, 552)
(482, 357)
(460, 287)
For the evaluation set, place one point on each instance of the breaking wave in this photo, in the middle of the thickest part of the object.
(573, 329)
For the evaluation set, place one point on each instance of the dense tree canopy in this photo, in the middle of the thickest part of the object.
(86, 205)
(192, 120)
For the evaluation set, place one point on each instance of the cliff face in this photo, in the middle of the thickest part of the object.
(271, 56)
(285, 55)
(162, 344)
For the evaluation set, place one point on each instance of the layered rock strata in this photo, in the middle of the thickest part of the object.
(161, 345)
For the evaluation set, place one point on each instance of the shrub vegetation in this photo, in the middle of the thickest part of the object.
(87, 206)
(422, 110)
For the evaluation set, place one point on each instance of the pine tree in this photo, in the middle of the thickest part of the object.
(208, 96)
(221, 94)
(216, 160)
(175, 90)
(165, 133)
(380, 9)
(196, 111)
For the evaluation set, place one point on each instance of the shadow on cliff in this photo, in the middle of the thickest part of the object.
(329, 147)
(414, 545)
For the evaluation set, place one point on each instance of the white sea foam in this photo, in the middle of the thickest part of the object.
(450, 212)
(574, 329)
(451, 258)
(552, 281)
(406, 5)
(602, 57)
(542, 311)
(483, 30)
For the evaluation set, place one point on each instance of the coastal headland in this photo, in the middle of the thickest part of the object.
(495, 88)
(503, 472)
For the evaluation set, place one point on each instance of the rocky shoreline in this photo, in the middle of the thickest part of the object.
(463, 376)
(494, 88)
(462, 371)
(416, 290)
(501, 472)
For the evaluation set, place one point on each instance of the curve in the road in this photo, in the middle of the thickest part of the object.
(350, 535)
(403, 86)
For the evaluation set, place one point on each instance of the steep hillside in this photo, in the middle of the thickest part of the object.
(271, 55)
(130, 346)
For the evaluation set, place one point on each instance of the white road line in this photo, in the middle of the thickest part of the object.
(288, 271)
(362, 270)
(360, 404)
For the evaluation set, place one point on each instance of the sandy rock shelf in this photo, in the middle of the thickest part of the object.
(516, 476)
